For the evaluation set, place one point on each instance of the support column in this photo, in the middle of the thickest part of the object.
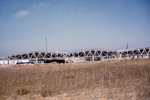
(36, 60)
(3, 62)
(120, 55)
(93, 57)
(107, 55)
(8, 62)
(65, 59)
(127, 55)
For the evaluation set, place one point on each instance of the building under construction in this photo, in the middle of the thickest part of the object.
(79, 56)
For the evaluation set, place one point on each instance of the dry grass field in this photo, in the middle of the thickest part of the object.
(109, 80)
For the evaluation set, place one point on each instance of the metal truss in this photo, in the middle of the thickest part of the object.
(101, 54)
(141, 52)
(93, 54)
(87, 54)
(37, 55)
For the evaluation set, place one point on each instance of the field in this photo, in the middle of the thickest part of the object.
(109, 80)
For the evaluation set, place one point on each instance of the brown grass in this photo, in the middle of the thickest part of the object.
(128, 79)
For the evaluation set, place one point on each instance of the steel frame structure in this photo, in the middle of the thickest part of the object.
(86, 54)
(132, 53)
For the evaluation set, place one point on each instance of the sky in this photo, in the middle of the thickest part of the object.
(73, 25)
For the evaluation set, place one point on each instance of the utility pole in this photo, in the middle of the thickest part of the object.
(127, 51)
(46, 43)
(127, 46)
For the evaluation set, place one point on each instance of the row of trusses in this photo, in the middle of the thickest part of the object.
(134, 52)
(96, 54)
(37, 55)
(93, 54)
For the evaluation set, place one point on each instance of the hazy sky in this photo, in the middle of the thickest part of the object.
(73, 25)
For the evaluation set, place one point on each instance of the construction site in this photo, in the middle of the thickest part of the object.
(37, 57)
